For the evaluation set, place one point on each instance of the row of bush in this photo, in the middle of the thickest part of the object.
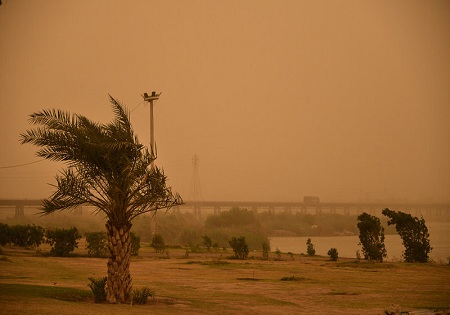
(62, 241)
(97, 244)
(21, 235)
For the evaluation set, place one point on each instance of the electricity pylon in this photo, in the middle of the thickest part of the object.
(196, 192)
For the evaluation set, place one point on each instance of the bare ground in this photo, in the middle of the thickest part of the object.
(211, 283)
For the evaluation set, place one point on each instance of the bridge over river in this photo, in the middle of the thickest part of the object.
(430, 211)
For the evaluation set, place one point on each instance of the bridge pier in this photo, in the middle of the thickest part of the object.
(19, 213)
(197, 212)
(318, 210)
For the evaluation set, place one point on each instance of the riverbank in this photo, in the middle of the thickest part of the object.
(348, 245)
(211, 283)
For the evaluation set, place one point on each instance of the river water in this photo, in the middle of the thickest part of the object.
(348, 245)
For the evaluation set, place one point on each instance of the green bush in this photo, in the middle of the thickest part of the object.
(310, 247)
(158, 243)
(265, 250)
(18, 235)
(414, 234)
(21, 235)
(207, 242)
(333, 253)
(239, 247)
(97, 244)
(4, 234)
(98, 288)
(63, 241)
(140, 296)
(371, 237)
(135, 244)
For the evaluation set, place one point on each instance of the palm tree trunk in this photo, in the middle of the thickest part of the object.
(118, 285)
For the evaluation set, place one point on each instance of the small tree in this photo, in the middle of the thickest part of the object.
(414, 234)
(333, 253)
(310, 247)
(207, 242)
(108, 168)
(63, 241)
(158, 243)
(265, 250)
(4, 234)
(97, 244)
(21, 235)
(239, 247)
(371, 237)
(135, 244)
(35, 235)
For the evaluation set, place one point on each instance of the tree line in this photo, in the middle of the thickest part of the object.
(412, 230)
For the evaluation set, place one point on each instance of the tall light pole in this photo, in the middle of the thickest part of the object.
(150, 99)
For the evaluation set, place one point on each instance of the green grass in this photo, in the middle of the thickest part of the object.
(45, 292)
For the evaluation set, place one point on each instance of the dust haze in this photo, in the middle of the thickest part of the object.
(345, 100)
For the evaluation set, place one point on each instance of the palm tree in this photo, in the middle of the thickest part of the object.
(107, 168)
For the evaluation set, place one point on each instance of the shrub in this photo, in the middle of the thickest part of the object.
(278, 253)
(310, 247)
(233, 217)
(140, 296)
(158, 243)
(4, 234)
(265, 250)
(63, 241)
(333, 253)
(207, 242)
(35, 235)
(18, 235)
(239, 247)
(371, 237)
(135, 244)
(21, 235)
(414, 234)
(97, 244)
(98, 287)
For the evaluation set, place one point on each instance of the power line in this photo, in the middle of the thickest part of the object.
(20, 165)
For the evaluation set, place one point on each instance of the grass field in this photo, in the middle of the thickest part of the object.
(209, 283)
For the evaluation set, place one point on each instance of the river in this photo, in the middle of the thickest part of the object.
(348, 245)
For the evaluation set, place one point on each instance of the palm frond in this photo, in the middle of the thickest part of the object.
(108, 167)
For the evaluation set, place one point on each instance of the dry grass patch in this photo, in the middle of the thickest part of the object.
(210, 284)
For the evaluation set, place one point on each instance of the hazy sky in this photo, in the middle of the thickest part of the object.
(345, 100)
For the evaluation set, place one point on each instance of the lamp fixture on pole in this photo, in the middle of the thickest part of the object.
(150, 99)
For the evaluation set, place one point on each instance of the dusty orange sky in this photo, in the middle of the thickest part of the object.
(346, 100)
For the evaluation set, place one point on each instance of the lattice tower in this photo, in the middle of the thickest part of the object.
(196, 191)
